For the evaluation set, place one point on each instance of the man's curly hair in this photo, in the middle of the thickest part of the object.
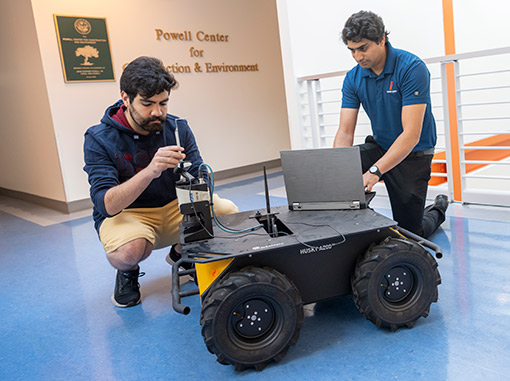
(364, 24)
(146, 76)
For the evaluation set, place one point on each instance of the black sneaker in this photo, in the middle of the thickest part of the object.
(173, 256)
(127, 288)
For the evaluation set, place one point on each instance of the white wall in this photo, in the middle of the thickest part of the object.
(28, 149)
(238, 118)
(481, 25)
(315, 28)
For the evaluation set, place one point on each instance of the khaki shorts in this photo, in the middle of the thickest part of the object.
(159, 226)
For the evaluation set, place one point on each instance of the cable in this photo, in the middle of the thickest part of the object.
(292, 235)
(314, 226)
(210, 175)
(211, 235)
(251, 232)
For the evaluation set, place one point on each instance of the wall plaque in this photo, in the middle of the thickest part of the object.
(84, 48)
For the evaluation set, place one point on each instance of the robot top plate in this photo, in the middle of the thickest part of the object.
(301, 227)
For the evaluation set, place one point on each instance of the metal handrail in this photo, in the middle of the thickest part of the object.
(487, 148)
(432, 60)
(483, 88)
(485, 133)
(484, 73)
(490, 118)
(492, 162)
(488, 177)
(483, 104)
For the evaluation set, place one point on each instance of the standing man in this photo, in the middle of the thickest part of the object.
(393, 86)
(129, 159)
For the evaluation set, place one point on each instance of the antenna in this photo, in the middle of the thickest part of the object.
(268, 205)
(268, 220)
(271, 219)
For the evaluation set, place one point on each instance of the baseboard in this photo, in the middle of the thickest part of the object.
(60, 206)
(239, 171)
(75, 206)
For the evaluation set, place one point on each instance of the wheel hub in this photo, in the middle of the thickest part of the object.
(398, 283)
(253, 318)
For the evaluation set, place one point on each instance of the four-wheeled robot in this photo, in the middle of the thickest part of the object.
(255, 270)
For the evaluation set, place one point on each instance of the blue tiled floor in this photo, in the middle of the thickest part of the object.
(57, 321)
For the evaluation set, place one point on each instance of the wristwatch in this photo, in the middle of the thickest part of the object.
(375, 171)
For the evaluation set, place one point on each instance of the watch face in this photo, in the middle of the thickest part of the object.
(375, 171)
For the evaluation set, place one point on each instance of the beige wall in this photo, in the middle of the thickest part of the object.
(238, 118)
(28, 149)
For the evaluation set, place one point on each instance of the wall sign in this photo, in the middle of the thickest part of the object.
(203, 39)
(84, 49)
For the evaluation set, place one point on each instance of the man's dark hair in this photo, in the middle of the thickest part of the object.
(146, 76)
(364, 24)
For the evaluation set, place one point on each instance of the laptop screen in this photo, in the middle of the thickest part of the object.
(322, 179)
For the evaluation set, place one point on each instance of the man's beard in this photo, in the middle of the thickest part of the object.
(153, 124)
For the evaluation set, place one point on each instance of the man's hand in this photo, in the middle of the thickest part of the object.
(122, 195)
(369, 180)
(165, 158)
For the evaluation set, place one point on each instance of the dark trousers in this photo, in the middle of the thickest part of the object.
(407, 189)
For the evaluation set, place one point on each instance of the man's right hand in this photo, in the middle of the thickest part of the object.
(165, 158)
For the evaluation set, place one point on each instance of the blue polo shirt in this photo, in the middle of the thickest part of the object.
(404, 81)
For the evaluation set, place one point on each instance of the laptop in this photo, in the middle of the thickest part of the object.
(324, 179)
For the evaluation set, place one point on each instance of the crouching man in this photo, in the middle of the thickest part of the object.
(129, 159)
